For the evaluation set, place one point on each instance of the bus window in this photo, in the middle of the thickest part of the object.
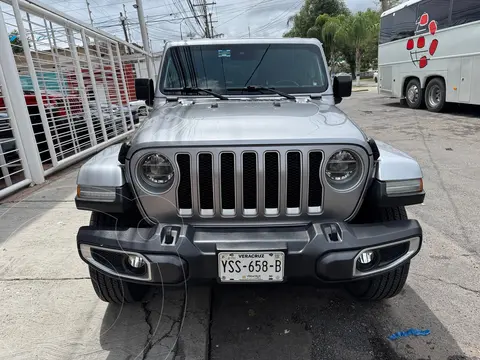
(438, 10)
(465, 11)
(404, 21)
(386, 29)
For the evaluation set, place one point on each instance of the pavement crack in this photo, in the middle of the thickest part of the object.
(45, 279)
(167, 335)
(148, 344)
(448, 283)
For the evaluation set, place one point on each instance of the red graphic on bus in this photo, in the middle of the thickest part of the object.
(419, 55)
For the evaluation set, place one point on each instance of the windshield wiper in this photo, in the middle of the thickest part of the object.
(262, 88)
(196, 89)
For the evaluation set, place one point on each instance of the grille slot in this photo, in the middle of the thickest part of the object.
(271, 173)
(247, 183)
(294, 181)
(314, 185)
(184, 191)
(250, 183)
(227, 183)
(205, 183)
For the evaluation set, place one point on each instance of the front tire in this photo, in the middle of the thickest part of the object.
(391, 283)
(414, 94)
(108, 288)
(380, 287)
(435, 95)
(116, 291)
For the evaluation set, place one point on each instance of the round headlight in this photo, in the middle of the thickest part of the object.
(343, 169)
(157, 170)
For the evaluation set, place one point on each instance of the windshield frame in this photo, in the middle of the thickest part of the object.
(296, 91)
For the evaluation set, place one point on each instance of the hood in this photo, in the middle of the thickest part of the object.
(246, 122)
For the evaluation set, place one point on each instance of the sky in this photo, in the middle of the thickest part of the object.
(167, 18)
(232, 18)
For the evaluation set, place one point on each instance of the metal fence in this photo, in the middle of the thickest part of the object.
(67, 90)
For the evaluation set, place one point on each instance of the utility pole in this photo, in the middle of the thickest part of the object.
(146, 43)
(122, 20)
(207, 27)
(249, 31)
(211, 25)
(204, 4)
(126, 23)
(89, 12)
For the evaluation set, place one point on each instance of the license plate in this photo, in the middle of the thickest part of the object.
(251, 266)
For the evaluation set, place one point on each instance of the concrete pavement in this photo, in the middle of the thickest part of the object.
(51, 312)
(49, 308)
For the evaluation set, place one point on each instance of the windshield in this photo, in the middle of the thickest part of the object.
(225, 69)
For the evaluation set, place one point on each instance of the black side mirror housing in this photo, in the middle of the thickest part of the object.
(342, 87)
(144, 90)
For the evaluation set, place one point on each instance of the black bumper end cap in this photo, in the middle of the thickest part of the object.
(168, 269)
(336, 266)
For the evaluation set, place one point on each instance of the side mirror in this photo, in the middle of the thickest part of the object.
(144, 90)
(342, 87)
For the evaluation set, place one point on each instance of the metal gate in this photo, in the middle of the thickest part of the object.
(65, 91)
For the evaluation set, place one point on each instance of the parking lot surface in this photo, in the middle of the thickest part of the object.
(49, 310)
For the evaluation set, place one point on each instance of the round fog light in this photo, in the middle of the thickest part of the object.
(135, 261)
(366, 257)
(367, 260)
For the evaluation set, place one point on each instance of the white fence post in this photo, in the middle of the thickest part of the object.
(53, 50)
(14, 126)
(81, 86)
(125, 87)
(115, 82)
(33, 75)
(23, 127)
(105, 83)
(94, 84)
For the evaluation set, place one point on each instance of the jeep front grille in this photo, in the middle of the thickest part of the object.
(249, 183)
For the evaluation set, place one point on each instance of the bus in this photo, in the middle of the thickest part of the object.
(429, 53)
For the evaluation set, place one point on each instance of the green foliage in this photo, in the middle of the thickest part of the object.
(306, 18)
(346, 38)
(356, 37)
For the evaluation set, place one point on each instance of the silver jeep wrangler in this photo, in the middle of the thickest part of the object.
(244, 172)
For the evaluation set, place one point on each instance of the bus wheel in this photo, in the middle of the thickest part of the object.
(435, 95)
(413, 94)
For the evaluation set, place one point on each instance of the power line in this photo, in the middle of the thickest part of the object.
(277, 19)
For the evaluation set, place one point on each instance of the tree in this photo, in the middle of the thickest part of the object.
(370, 49)
(355, 36)
(330, 36)
(305, 19)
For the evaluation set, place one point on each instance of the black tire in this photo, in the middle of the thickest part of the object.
(391, 283)
(116, 291)
(110, 289)
(414, 100)
(435, 95)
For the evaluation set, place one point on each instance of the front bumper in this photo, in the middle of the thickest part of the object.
(326, 251)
